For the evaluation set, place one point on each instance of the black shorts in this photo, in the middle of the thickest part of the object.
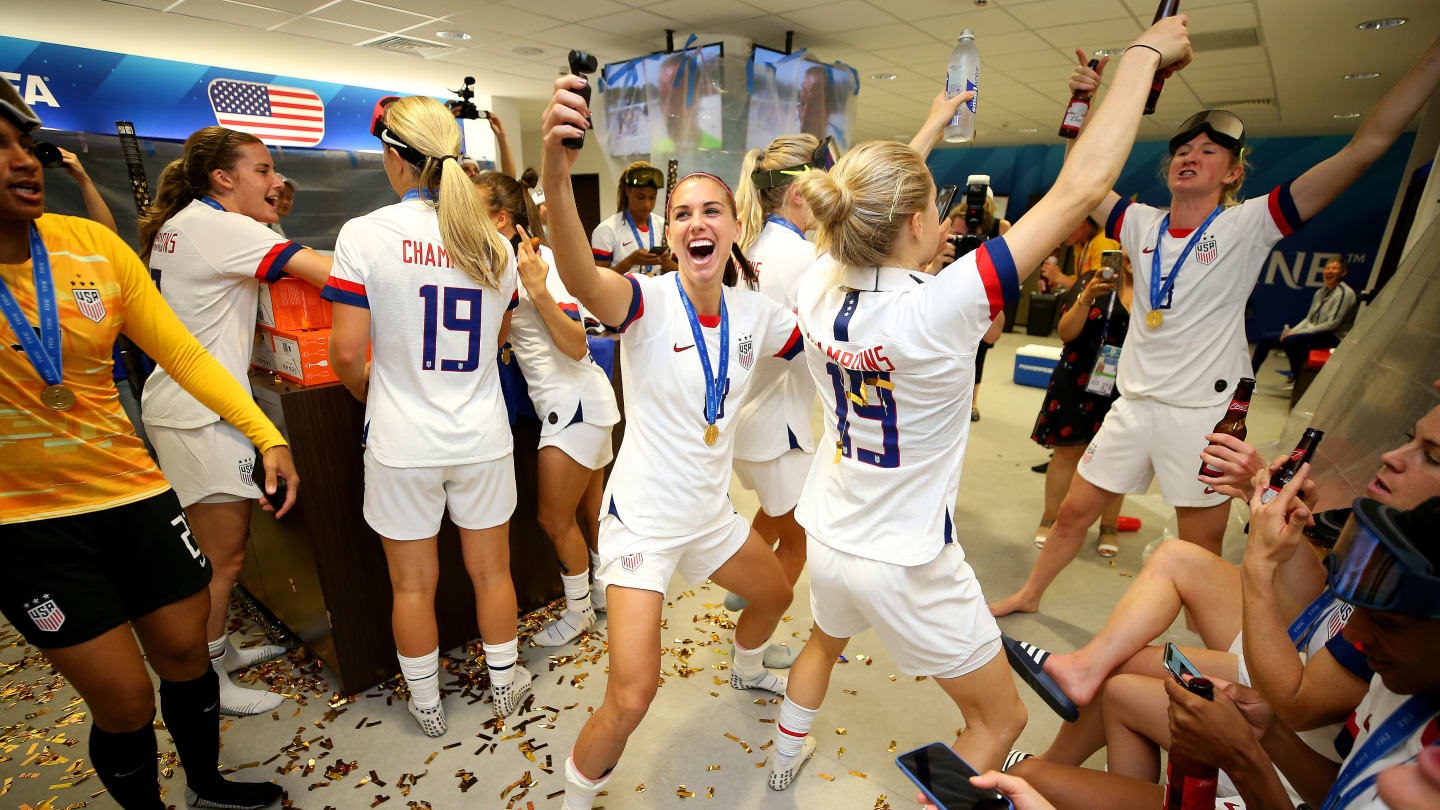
(67, 580)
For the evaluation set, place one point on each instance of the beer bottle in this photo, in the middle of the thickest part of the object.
(1076, 110)
(1301, 455)
(1191, 785)
(1167, 8)
(1233, 423)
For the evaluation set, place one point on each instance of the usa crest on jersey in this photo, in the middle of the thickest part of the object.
(1207, 250)
(632, 562)
(46, 615)
(91, 305)
(247, 470)
(747, 352)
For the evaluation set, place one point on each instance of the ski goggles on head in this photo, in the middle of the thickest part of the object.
(1377, 563)
(1223, 126)
(823, 158)
(643, 177)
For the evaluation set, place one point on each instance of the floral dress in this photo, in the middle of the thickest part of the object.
(1070, 415)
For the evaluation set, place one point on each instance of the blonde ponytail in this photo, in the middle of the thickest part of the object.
(747, 201)
(755, 203)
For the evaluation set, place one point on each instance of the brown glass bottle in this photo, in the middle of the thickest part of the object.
(1300, 456)
(1233, 423)
(1191, 785)
(1076, 110)
(1167, 8)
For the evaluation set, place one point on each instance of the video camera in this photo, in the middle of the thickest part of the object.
(465, 106)
(977, 187)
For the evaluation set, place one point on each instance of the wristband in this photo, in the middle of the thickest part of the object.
(1143, 45)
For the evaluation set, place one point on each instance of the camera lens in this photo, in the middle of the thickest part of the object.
(48, 154)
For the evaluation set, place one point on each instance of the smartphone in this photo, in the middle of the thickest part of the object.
(944, 778)
(257, 475)
(1328, 525)
(944, 196)
(1178, 665)
(1110, 263)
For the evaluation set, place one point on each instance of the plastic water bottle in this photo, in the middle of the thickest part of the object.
(963, 74)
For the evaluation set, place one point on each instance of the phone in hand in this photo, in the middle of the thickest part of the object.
(1111, 262)
(944, 778)
(1178, 665)
(944, 197)
(257, 476)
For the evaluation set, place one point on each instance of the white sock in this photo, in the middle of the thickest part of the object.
(580, 790)
(577, 591)
(791, 727)
(500, 660)
(422, 675)
(234, 698)
(748, 662)
(594, 562)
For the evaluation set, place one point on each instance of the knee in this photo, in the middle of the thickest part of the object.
(414, 587)
(557, 523)
(1073, 513)
(629, 703)
(1115, 692)
(1002, 719)
(129, 706)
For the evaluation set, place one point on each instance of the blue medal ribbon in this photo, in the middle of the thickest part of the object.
(786, 224)
(714, 385)
(1309, 619)
(417, 194)
(212, 202)
(1398, 727)
(636, 233)
(1158, 293)
(43, 350)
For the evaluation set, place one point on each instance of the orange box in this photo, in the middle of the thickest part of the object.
(291, 304)
(301, 356)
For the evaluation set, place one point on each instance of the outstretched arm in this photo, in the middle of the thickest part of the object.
(95, 207)
(1087, 79)
(502, 145)
(1319, 186)
(942, 109)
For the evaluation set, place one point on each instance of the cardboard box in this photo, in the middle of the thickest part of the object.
(263, 355)
(291, 304)
(301, 356)
(1034, 364)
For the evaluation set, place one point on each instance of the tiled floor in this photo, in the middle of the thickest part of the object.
(702, 743)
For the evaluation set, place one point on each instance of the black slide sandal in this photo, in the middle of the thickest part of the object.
(1027, 661)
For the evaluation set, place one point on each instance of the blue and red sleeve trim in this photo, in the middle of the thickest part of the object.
(514, 301)
(793, 346)
(601, 255)
(345, 292)
(572, 310)
(1116, 220)
(1283, 211)
(272, 266)
(637, 306)
(997, 271)
(1350, 658)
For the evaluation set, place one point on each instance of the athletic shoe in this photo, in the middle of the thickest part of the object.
(228, 795)
(238, 701)
(764, 680)
(1014, 758)
(783, 770)
(236, 658)
(780, 656)
(431, 720)
(507, 698)
(735, 603)
(566, 628)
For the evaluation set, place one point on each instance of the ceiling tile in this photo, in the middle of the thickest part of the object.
(353, 12)
(504, 20)
(153, 5)
(932, 58)
(328, 31)
(568, 10)
(846, 15)
(703, 12)
(589, 39)
(1220, 18)
(430, 8)
(233, 13)
(1067, 12)
(291, 6)
(1145, 9)
(482, 59)
(634, 23)
(983, 21)
(1093, 35)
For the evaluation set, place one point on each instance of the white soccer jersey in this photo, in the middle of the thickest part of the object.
(562, 390)
(776, 415)
(614, 239)
(209, 264)
(667, 482)
(904, 344)
(1379, 705)
(1201, 343)
(434, 397)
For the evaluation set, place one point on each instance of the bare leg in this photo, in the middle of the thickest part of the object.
(1077, 514)
(994, 714)
(809, 676)
(634, 628)
(755, 574)
(414, 572)
(766, 527)
(1176, 575)
(588, 513)
(1057, 477)
(173, 636)
(1137, 725)
(563, 482)
(110, 675)
(221, 529)
(1071, 788)
(1076, 741)
(1204, 525)
(487, 561)
(791, 551)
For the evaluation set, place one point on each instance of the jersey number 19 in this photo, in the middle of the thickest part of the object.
(468, 324)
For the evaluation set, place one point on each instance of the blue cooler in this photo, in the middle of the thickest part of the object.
(1034, 363)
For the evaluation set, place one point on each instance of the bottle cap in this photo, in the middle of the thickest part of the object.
(966, 33)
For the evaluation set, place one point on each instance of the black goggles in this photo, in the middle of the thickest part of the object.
(1377, 565)
(1224, 127)
(823, 159)
(644, 177)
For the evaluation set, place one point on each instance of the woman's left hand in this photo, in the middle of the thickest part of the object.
(1210, 731)
(1277, 527)
(533, 268)
(279, 464)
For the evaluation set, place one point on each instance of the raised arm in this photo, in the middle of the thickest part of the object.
(604, 292)
(1101, 150)
(502, 145)
(95, 207)
(942, 109)
(1087, 79)
(1319, 186)
(567, 333)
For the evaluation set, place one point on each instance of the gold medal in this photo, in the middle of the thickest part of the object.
(1154, 319)
(711, 434)
(58, 397)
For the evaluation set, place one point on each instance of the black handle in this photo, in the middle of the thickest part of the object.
(581, 63)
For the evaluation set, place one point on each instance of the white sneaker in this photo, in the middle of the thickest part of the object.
(783, 770)
(431, 720)
(764, 679)
(236, 658)
(507, 698)
(239, 701)
(566, 628)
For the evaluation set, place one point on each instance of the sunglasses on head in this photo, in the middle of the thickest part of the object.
(377, 118)
(644, 177)
(823, 158)
(1223, 126)
(1377, 564)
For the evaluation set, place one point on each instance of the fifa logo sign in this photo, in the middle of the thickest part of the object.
(32, 88)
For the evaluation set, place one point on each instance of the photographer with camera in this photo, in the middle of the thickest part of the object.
(464, 109)
(970, 225)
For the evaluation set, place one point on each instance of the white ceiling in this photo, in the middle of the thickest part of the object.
(1027, 46)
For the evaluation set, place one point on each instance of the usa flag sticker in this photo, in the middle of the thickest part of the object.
(45, 614)
(278, 116)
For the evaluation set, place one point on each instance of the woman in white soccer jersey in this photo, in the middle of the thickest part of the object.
(688, 349)
(891, 350)
(427, 284)
(208, 246)
(572, 397)
(630, 239)
(1195, 265)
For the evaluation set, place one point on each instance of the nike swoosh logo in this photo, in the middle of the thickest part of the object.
(1148, 250)
(680, 348)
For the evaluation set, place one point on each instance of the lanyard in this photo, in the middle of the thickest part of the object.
(43, 350)
(417, 194)
(636, 232)
(786, 224)
(1413, 713)
(210, 201)
(1157, 292)
(1304, 625)
(714, 386)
